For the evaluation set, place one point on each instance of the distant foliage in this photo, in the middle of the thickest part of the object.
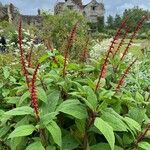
(57, 27)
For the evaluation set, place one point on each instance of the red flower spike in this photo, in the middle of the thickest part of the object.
(34, 92)
(121, 43)
(84, 53)
(30, 57)
(138, 27)
(52, 50)
(69, 45)
(22, 57)
(103, 70)
(121, 81)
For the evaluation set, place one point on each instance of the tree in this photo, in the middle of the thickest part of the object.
(56, 28)
(110, 22)
(134, 15)
(117, 21)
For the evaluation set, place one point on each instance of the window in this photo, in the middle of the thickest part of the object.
(70, 7)
(93, 8)
(84, 13)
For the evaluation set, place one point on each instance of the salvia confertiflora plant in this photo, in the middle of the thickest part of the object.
(56, 104)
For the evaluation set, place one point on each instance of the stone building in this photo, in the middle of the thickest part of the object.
(11, 13)
(93, 11)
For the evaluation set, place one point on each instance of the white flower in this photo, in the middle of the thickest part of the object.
(99, 48)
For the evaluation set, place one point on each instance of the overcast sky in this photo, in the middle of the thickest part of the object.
(112, 6)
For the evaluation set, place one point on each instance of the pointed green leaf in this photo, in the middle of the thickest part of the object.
(23, 130)
(41, 94)
(25, 110)
(73, 108)
(144, 145)
(24, 97)
(46, 119)
(106, 130)
(35, 146)
(91, 97)
(114, 121)
(55, 131)
(104, 146)
(132, 124)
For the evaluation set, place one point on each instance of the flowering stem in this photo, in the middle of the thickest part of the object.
(121, 81)
(84, 52)
(52, 50)
(103, 70)
(121, 43)
(138, 27)
(34, 93)
(68, 47)
(30, 57)
(22, 58)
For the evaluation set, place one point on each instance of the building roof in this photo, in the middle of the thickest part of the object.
(78, 2)
(95, 2)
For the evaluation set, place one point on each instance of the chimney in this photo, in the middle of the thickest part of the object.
(39, 12)
(10, 11)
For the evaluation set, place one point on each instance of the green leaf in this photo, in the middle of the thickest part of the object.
(91, 97)
(144, 145)
(73, 66)
(73, 108)
(138, 114)
(1, 112)
(41, 94)
(6, 72)
(18, 143)
(24, 97)
(46, 119)
(25, 110)
(43, 58)
(35, 146)
(23, 130)
(116, 123)
(139, 97)
(104, 146)
(132, 124)
(53, 100)
(12, 100)
(50, 147)
(23, 121)
(55, 131)
(4, 130)
(106, 130)
(69, 143)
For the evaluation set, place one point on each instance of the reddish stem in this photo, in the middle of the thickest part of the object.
(68, 47)
(121, 81)
(138, 27)
(121, 43)
(84, 53)
(103, 70)
(52, 50)
(22, 57)
(30, 57)
(141, 136)
(34, 92)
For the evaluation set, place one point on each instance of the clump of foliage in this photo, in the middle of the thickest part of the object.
(134, 15)
(55, 103)
(56, 28)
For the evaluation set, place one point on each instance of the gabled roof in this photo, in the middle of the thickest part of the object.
(93, 1)
(78, 2)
